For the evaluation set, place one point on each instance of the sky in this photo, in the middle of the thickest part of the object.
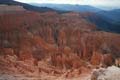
(99, 3)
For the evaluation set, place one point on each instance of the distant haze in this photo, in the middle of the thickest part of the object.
(104, 4)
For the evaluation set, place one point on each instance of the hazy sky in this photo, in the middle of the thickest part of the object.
(103, 3)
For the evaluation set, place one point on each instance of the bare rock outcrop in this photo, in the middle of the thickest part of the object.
(111, 73)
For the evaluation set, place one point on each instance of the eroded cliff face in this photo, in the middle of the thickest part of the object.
(53, 43)
(10, 8)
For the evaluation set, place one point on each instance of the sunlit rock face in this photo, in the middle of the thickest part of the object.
(35, 43)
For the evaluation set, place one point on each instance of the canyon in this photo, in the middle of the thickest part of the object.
(53, 46)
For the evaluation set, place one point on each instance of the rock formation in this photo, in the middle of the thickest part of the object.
(52, 43)
(110, 73)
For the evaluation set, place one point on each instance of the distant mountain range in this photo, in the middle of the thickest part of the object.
(26, 6)
(111, 16)
(105, 20)
(69, 7)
